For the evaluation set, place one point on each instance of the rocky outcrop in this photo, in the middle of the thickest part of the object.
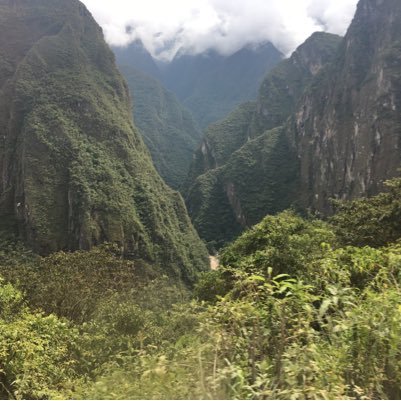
(282, 89)
(348, 125)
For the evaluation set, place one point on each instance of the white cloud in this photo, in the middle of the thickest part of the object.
(224, 25)
(334, 15)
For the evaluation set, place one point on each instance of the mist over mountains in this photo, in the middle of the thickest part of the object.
(200, 215)
(204, 82)
(226, 26)
(201, 88)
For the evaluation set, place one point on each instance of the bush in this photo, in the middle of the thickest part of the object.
(72, 284)
(371, 221)
(286, 243)
(36, 351)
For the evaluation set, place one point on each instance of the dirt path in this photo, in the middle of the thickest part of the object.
(214, 262)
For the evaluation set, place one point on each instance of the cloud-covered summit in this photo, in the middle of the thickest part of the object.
(194, 26)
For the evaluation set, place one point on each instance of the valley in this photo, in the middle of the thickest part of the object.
(214, 225)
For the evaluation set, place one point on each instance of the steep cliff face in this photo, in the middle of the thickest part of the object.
(73, 170)
(348, 125)
(339, 105)
(283, 87)
(247, 166)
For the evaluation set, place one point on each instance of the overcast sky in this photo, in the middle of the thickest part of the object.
(165, 26)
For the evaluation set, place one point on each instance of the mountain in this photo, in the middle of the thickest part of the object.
(74, 172)
(136, 55)
(168, 129)
(341, 139)
(211, 85)
(347, 126)
(247, 166)
(208, 85)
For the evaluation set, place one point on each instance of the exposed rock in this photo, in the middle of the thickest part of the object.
(348, 128)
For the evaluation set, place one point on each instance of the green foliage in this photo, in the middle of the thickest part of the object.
(291, 313)
(168, 129)
(13, 252)
(211, 211)
(72, 112)
(260, 178)
(227, 136)
(292, 317)
(324, 334)
(221, 140)
(285, 243)
(370, 221)
(35, 350)
(247, 165)
(147, 352)
(10, 301)
(212, 285)
(135, 322)
(72, 285)
(117, 308)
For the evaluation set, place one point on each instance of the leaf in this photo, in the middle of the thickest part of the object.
(281, 276)
(256, 278)
(324, 307)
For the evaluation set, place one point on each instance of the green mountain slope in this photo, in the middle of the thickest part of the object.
(211, 85)
(284, 85)
(260, 178)
(252, 161)
(344, 125)
(222, 139)
(136, 55)
(73, 170)
(168, 129)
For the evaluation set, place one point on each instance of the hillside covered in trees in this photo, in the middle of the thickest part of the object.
(299, 309)
(74, 171)
(168, 129)
(247, 165)
(326, 125)
(105, 286)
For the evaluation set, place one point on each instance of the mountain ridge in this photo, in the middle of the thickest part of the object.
(204, 82)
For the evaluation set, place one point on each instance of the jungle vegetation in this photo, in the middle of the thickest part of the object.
(300, 308)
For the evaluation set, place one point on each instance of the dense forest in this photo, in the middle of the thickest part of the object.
(105, 286)
(168, 129)
(300, 308)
